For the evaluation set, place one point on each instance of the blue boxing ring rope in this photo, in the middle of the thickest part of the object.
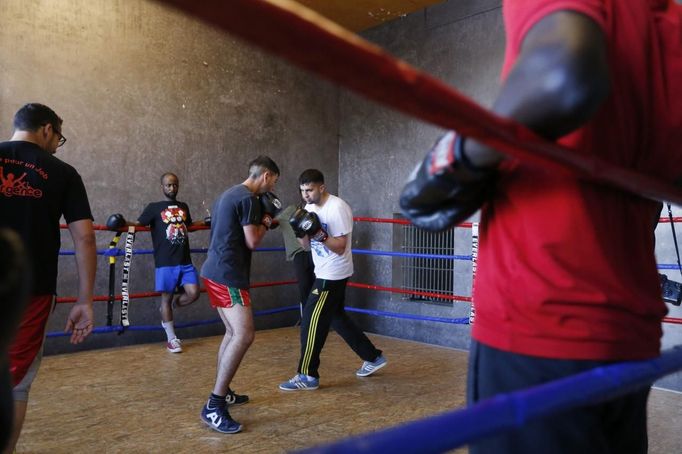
(506, 412)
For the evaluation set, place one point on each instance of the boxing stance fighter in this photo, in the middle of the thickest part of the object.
(326, 226)
(240, 218)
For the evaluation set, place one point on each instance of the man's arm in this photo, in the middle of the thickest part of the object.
(557, 83)
(253, 234)
(80, 321)
(337, 244)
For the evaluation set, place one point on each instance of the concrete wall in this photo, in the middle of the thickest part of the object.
(144, 90)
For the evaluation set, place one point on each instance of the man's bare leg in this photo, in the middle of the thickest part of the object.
(238, 338)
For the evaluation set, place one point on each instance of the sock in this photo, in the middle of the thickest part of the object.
(170, 330)
(215, 401)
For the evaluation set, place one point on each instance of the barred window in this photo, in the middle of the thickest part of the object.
(427, 274)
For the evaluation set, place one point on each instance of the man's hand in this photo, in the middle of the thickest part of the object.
(79, 323)
(443, 191)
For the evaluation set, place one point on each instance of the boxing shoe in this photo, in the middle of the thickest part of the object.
(219, 419)
(233, 398)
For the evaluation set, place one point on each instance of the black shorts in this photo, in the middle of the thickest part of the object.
(615, 426)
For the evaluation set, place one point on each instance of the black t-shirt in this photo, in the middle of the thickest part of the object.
(168, 221)
(36, 190)
(228, 261)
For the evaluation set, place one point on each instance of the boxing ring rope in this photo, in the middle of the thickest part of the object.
(118, 252)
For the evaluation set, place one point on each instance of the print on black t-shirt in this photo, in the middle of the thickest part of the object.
(168, 221)
(36, 190)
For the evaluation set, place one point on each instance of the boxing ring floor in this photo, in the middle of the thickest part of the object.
(144, 399)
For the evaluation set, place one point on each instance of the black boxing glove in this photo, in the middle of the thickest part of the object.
(309, 223)
(116, 222)
(445, 189)
(295, 221)
(270, 207)
(316, 232)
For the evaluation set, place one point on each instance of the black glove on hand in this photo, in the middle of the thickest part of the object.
(295, 222)
(116, 222)
(309, 224)
(444, 190)
(270, 207)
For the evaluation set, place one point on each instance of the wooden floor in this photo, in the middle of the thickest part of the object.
(143, 399)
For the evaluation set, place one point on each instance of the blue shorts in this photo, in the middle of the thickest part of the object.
(170, 277)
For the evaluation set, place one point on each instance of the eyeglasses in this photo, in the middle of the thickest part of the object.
(62, 139)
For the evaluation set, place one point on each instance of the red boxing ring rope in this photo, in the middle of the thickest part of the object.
(307, 39)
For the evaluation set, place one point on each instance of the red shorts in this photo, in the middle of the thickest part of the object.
(30, 336)
(221, 295)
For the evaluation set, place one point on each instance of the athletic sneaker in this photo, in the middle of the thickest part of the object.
(300, 382)
(369, 367)
(174, 345)
(233, 398)
(219, 420)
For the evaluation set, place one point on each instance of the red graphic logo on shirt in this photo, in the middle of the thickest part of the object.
(13, 186)
(174, 216)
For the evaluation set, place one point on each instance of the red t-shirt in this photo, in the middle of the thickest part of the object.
(566, 268)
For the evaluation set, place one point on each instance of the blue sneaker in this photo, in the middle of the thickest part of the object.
(369, 367)
(300, 382)
(219, 420)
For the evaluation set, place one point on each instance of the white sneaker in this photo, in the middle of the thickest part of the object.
(174, 345)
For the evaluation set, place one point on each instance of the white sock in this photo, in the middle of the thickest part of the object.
(170, 330)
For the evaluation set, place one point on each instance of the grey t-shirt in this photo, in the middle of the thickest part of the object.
(228, 260)
(291, 244)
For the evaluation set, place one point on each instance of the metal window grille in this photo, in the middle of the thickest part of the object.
(425, 274)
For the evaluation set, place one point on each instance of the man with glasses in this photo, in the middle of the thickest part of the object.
(36, 190)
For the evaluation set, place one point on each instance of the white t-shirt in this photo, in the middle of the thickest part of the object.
(337, 219)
